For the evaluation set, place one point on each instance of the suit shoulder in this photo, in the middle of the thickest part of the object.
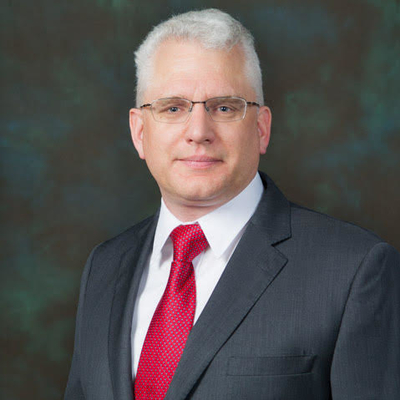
(124, 241)
(324, 228)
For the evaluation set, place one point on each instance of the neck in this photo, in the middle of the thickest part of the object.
(187, 212)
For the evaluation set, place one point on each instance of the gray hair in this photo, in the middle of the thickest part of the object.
(213, 29)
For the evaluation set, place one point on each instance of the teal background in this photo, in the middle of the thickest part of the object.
(70, 177)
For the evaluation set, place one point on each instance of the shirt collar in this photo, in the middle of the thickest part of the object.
(220, 226)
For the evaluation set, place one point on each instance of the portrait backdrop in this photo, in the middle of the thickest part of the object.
(71, 178)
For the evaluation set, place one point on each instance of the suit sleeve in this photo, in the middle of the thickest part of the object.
(366, 360)
(74, 390)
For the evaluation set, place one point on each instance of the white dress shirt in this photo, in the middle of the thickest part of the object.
(223, 229)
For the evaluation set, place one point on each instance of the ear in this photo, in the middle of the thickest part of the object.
(264, 127)
(136, 126)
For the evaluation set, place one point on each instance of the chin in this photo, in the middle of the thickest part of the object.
(201, 193)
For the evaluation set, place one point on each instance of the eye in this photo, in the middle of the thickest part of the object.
(224, 109)
(171, 106)
(170, 109)
(224, 106)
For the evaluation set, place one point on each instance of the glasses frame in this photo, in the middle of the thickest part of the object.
(192, 103)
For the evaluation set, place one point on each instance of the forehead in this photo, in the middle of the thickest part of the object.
(186, 68)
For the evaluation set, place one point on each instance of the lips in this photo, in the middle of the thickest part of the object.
(200, 162)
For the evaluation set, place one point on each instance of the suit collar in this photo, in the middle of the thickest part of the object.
(273, 213)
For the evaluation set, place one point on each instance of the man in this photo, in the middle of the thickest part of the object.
(230, 291)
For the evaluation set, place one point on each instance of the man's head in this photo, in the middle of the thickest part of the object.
(206, 157)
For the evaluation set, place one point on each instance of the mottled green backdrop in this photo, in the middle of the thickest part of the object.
(70, 176)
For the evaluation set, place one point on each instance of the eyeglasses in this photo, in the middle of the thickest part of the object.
(175, 110)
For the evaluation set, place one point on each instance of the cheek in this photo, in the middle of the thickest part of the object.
(158, 149)
(247, 145)
(152, 142)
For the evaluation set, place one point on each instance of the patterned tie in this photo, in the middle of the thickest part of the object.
(173, 318)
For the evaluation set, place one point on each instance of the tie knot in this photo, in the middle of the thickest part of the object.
(189, 241)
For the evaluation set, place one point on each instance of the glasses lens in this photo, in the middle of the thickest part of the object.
(172, 110)
(226, 108)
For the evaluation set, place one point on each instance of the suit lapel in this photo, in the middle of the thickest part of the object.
(251, 269)
(132, 264)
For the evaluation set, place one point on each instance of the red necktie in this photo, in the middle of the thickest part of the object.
(173, 318)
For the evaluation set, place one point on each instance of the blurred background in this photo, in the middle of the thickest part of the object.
(70, 177)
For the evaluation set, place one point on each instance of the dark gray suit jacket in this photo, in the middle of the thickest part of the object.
(308, 307)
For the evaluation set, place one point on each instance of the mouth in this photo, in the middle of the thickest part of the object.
(199, 162)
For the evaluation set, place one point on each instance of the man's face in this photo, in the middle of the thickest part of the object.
(200, 163)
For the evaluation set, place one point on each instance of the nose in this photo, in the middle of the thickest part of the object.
(200, 127)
